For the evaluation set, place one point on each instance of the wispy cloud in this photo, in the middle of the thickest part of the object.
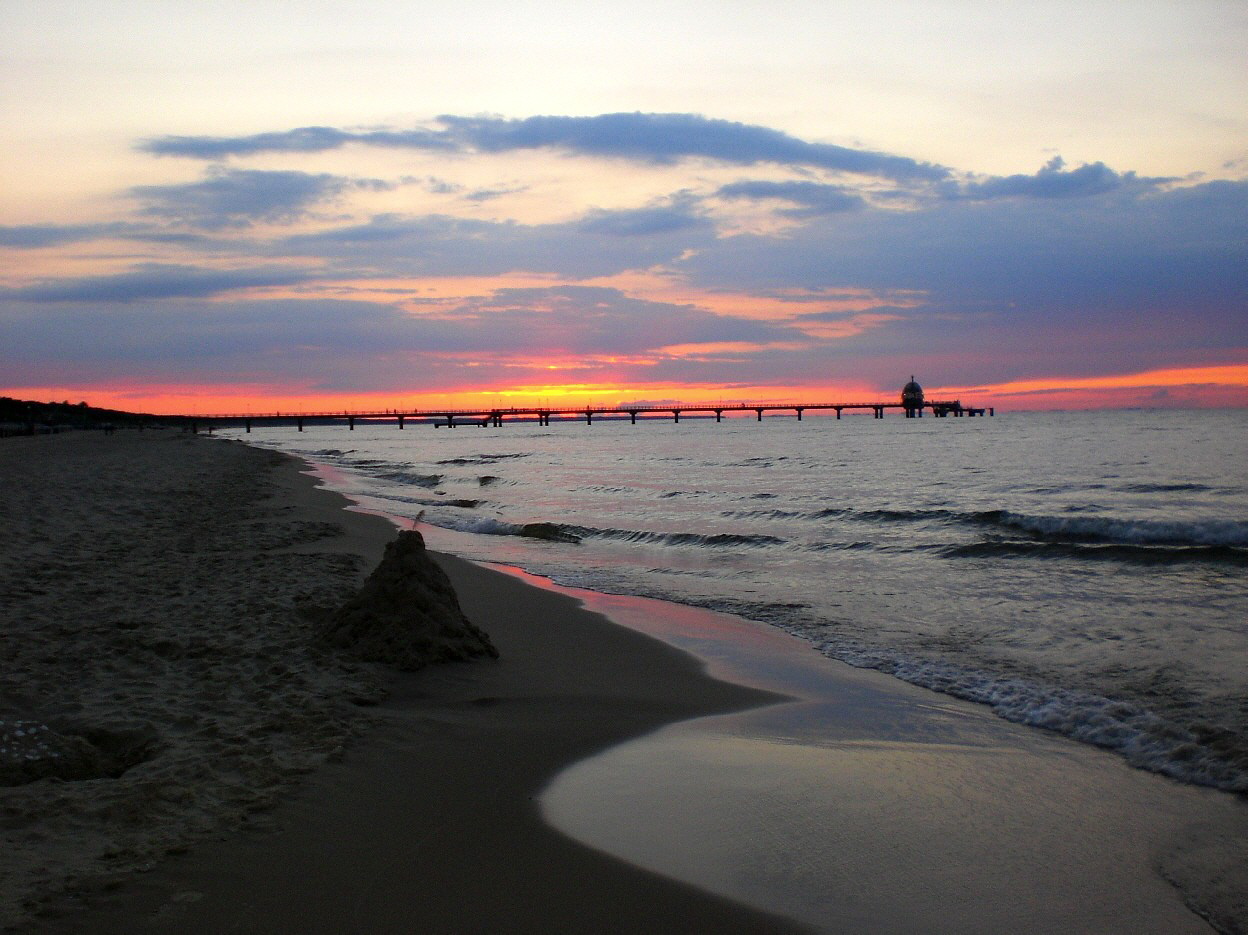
(641, 137)
(156, 281)
(811, 198)
(37, 236)
(240, 197)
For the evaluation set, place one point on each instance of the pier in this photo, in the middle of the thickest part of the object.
(545, 415)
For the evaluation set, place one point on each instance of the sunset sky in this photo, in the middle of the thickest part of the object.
(264, 205)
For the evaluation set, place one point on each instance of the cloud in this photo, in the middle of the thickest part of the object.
(240, 197)
(36, 236)
(363, 345)
(647, 138)
(813, 198)
(156, 281)
(1132, 276)
(666, 138)
(1051, 182)
(299, 140)
(601, 244)
(680, 215)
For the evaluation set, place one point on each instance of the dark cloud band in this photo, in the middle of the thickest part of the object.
(653, 138)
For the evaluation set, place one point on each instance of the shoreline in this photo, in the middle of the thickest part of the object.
(434, 818)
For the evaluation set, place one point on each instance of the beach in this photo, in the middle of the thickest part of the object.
(162, 595)
(134, 558)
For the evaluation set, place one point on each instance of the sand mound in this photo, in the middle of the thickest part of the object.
(406, 614)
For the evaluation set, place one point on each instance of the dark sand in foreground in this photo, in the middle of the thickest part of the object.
(429, 823)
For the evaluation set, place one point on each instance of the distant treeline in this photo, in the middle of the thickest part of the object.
(23, 416)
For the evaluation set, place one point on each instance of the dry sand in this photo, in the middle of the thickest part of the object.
(165, 587)
(154, 648)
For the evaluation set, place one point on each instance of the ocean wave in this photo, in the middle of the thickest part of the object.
(713, 540)
(1119, 552)
(489, 526)
(1070, 529)
(1197, 754)
(409, 477)
(857, 546)
(1119, 531)
(571, 533)
(896, 516)
(766, 514)
(484, 459)
(1165, 488)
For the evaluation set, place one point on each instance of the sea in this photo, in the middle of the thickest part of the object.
(1081, 572)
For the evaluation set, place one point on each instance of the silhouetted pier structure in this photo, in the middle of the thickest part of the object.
(544, 415)
(912, 404)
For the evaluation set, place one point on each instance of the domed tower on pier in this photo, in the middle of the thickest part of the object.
(912, 398)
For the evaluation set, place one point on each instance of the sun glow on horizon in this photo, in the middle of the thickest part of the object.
(1221, 385)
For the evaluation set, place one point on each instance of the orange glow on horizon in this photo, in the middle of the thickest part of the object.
(1219, 386)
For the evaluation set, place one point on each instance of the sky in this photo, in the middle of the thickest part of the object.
(251, 207)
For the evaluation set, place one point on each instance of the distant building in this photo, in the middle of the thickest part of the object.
(912, 398)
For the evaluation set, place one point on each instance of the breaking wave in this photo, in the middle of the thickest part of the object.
(1203, 754)
(1120, 531)
(408, 477)
(1144, 554)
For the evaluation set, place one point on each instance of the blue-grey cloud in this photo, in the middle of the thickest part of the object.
(352, 344)
(637, 222)
(1134, 277)
(240, 197)
(157, 281)
(1052, 181)
(666, 138)
(489, 194)
(36, 236)
(601, 244)
(813, 198)
(651, 138)
(299, 140)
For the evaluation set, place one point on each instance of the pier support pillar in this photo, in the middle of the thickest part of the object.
(719, 415)
(632, 415)
(351, 423)
(838, 412)
(760, 414)
(676, 415)
(300, 423)
(400, 423)
(799, 413)
(247, 424)
(589, 417)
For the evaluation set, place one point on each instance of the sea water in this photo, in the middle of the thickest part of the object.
(1084, 572)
